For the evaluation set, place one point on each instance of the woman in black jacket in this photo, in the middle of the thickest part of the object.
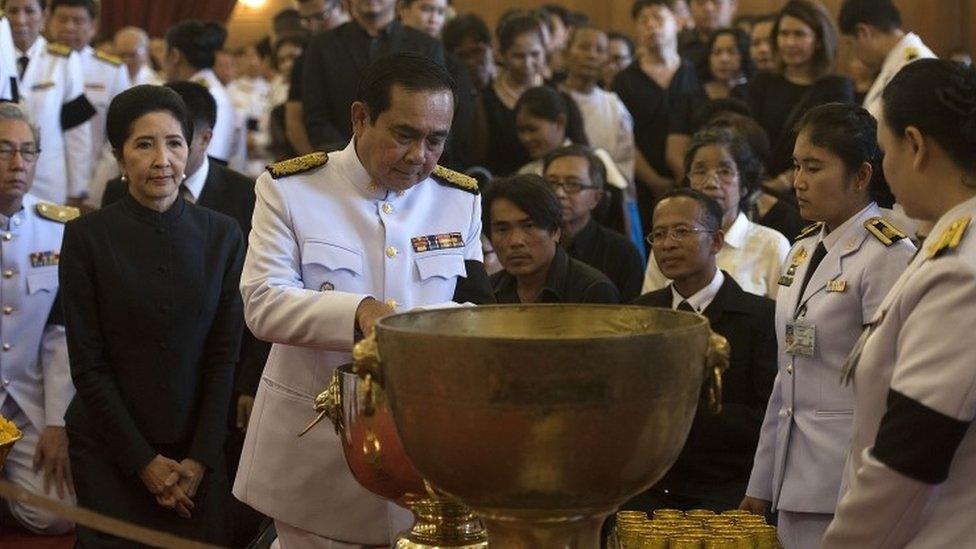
(153, 317)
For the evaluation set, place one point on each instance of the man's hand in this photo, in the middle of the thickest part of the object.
(245, 403)
(51, 456)
(187, 477)
(755, 506)
(155, 476)
(369, 312)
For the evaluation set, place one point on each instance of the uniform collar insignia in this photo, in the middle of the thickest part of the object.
(301, 164)
(108, 58)
(836, 285)
(950, 238)
(58, 49)
(455, 179)
(808, 230)
(884, 231)
(55, 212)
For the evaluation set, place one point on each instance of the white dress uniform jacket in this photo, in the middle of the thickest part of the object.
(227, 134)
(52, 93)
(752, 254)
(908, 49)
(807, 428)
(910, 472)
(34, 356)
(322, 241)
(8, 63)
(105, 77)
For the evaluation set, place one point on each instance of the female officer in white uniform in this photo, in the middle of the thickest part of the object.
(912, 462)
(836, 275)
(191, 49)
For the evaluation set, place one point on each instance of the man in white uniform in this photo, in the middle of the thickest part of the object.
(35, 384)
(51, 88)
(73, 24)
(131, 44)
(8, 63)
(874, 27)
(337, 242)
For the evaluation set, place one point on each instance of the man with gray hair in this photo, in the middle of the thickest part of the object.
(131, 44)
(35, 383)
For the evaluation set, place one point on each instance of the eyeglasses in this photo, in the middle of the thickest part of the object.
(723, 174)
(28, 152)
(569, 188)
(678, 234)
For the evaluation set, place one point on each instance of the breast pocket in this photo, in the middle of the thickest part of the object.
(44, 281)
(330, 266)
(431, 268)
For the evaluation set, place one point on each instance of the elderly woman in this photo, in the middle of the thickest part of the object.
(154, 321)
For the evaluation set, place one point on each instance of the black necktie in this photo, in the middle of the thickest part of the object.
(22, 65)
(818, 256)
(685, 306)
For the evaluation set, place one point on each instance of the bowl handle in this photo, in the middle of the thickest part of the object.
(329, 405)
(716, 362)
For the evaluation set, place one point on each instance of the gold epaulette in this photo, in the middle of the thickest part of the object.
(884, 231)
(202, 81)
(58, 49)
(55, 212)
(911, 53)
(950, 238)
(108, 58)
(455, 179)
(808, 230)
(298, 165)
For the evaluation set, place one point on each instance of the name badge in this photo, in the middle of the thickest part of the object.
(836, 285)
(42, 86)
(441, 241)
(800, 338)
(95, 87)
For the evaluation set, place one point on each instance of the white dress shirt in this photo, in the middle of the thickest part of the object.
(608, 125)
(908, 49)
(701, 299)
(752, 254)
(614, 176)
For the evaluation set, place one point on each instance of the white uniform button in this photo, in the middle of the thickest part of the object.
(789, 370)
(8, 309)
(789, 412)
(391, 252)
(8, 273)
(17, 221)
(387, 208)
(6, 346)
(7, 236)
(6, 382)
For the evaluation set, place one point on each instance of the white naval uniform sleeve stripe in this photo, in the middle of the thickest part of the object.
(277, 306)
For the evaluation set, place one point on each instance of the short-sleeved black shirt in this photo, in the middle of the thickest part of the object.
(568, 281)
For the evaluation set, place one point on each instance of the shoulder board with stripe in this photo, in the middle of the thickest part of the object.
(950, 238)
(884, 231)
(108, 58)
(58, 49)
(808, 230)
(458, 180)
(55, 212)
(300, 164)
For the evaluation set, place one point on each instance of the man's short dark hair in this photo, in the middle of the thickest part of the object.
(596, 170)
(711, 211)
(202, 107)
(41, 3)
(614, 35)
(411, 71)
(197, 40)
(640, 5)
(531, 194)
(464, 26)
(881, 14)
(286, 20)
(90, 6)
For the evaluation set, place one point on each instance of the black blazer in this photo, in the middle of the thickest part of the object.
(153, 316)
(232, 194)
(335, 61)
(720, 448)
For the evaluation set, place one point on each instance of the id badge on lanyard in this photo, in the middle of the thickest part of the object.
(800, 338)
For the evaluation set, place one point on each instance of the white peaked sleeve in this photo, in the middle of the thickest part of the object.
(277, 306)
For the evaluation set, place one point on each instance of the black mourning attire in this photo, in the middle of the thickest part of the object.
(568, 281)
(651, 106)
(693, 46)
(505, 153)
(153, 317)
(335, 62)
(612, 254)
(778, 104)
(713, 468)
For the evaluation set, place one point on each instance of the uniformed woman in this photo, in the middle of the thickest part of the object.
(191, 47)
(910, 472)
(153, 319)
(836, 275)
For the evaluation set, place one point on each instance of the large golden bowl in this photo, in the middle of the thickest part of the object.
(542, 418)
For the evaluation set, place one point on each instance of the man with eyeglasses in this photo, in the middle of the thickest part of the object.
(713, 468)
(523, 218)
(35, 383)
(578, 178)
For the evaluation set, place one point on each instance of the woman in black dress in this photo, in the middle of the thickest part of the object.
(153, 318)
(805, 42)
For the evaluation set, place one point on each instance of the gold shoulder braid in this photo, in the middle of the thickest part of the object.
(54, 212)
(455, 179)
(298, 165)
(108, 58)
(58, 49)
(884, 231)
(808, 230)
(950, 238)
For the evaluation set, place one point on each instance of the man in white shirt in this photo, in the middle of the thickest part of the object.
(874, 27)
(131, 44)
(8, 63)
(73, 24)
(51, 88)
